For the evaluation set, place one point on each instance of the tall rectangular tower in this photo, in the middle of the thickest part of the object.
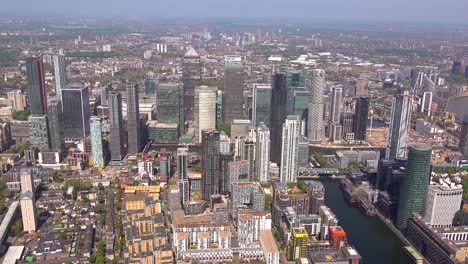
(316, 84)
(116, 126)
(191, 77)
(233, 88)
(211, 172)
(133, 120)
(262, 153)
(76, 112)
(399, 126)
(96, 142)
(60, 70)
(289, 149)
(278, 114)
(36, 85)
(360, 118)
(55, 123)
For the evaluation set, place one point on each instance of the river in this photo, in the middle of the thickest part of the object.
(374, 241)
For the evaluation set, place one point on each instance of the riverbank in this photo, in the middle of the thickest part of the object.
(374, 240)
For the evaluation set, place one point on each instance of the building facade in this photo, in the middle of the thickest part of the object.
(96, 142)
(116, 126)
(289, 149)
(133, 120)
(316, 84)
(60, 71)
(262, 153)
(233, 88)
(399, 126)
(205, 110)
(76, 112)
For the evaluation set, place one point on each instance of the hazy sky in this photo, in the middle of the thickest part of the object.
(444, 11)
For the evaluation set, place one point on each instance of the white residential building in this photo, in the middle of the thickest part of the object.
(443, 202)
(289, 149)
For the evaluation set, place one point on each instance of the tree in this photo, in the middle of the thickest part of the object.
(102, 219)
(277, 235)
(74, 194)
(100, 198)
(101, 186)
(100, 260)
(302, 186)
(18, 227)
(2, 207)
(92, 259)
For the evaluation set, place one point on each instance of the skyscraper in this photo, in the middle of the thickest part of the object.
(262, 152)
(39, 132)
(36, 85)
(261, 104)
(278, 115)
(360, 118)
(399, 126)
(205, 110)
(297, 95)
(76, 113)
(133, 120)
(316, 84)
(170, 105)
(335, 128)
(60, 70)
(116, 126)
(414, 185)
(210, 163)
(191, 77)
(182, 174)
(233, 88)
(289, 149)
(463, 144)
(96, 142)
(55, 123)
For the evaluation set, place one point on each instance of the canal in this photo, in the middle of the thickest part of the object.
(373, 240)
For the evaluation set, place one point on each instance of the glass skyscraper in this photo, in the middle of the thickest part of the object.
(170, 105)
(96, 142)
(316, 85)
(55, 123)
(76, 113)
(211, 171)
(36, 85)
(133, 120)
(60, 71)
(278, 115)
(116, 126)
(261, 104)
(191, 77)
(415, 183)
(361, 116)
(233, 88)
(399, 126)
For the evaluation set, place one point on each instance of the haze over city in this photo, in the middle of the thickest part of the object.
(246, 132)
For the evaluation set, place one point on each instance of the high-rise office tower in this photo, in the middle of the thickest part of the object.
(60, 70)
(182, 174)
(414, 185)
(316, 84)
(360, 118)
(76, 113)
(205, 110)
(463, 144)
(55, 123)
(116, 126)
(96, 142)
(233, 88)
(191, 77)
(399, 126)
(170, 105)
(133, 120)
(262, 152)
(36, 85)
(289, 149)
(261, 101)
(335, 128)
(297, 95)
(39, 132)
(443, 203)
(278, 115)
(335, 106)
(211, 172)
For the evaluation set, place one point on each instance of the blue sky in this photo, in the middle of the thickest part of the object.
(442, 11)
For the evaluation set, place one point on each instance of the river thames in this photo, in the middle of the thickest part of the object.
(374, 241)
